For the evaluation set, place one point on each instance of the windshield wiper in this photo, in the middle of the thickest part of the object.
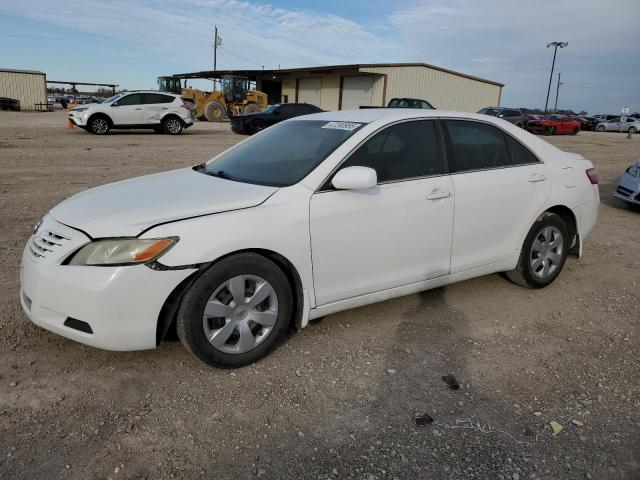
(221, 174)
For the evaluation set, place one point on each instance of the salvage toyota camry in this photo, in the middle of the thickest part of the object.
(312, 216)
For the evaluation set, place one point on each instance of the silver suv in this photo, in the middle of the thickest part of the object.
(162, 112)
(512, 115)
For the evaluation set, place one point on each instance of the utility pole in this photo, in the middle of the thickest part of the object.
(217, 41)
(555, 46)
(555, 108)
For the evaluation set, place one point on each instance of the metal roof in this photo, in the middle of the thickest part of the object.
(328, 69)
(10, 70)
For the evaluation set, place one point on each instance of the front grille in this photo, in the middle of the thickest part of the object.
(624, 191)
(46, 242)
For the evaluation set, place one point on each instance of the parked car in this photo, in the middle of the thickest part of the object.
(630, 124)
(554, 125)
(314, 215)
(410, 103)
(587, 123)
(628, 188)
(9, 104)
(162, 112)
(512, 115)
(250, 123)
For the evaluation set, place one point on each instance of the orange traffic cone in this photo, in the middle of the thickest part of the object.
(69, 124)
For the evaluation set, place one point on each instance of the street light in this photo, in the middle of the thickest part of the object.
(555, 46)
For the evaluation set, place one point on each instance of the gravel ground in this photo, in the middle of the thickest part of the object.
(336, 400)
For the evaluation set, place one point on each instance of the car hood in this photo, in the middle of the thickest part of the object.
(129, 207)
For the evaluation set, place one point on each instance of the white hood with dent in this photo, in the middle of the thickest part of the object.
(126, 208)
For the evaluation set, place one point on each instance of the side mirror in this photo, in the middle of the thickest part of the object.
(355, 178)
(501, 115)
(114, 104)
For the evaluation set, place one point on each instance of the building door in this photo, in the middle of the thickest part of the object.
(357, 92)
(309, 90)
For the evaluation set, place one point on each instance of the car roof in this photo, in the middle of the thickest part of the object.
(370, 115)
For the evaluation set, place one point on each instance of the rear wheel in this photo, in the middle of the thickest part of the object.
(99, 125)
(215, 111)
(601, 128)
(550, 131)
(543, 253)
(633, 130)
(236, 312)
(251, 108)
(172, 126)
(575, 131)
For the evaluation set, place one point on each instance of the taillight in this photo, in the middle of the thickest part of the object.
(592, 173)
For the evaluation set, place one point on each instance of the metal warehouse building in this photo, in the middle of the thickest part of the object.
(341, 87)
(30, 87)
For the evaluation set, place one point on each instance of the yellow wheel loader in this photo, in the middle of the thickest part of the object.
(235, 98)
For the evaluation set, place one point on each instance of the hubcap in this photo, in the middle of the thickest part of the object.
(546, 252)
(240, 314)
(100, 125)
(173, 126)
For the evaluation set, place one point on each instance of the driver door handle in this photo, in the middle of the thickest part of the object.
(537, 177)
(438, 193)
(138, 108)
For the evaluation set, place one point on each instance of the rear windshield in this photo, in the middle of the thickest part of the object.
(490, 111)
(283, 154)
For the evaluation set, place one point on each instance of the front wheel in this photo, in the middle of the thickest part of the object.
(543, 253)
(236, 312)
(575, 131)
(601, 128)
(258, 125)
(633, 130)
(99, 125)
(551, 131)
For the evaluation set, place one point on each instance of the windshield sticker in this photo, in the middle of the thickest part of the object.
(349, 126)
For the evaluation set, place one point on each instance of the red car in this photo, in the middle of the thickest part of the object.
(554, 125)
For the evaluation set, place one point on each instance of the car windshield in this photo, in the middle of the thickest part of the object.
(283, 154)
(271, 108)
(490, 111)
(111, 99)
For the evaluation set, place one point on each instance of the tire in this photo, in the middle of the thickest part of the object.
(258, 125)
(99, 125)
(633, 130)
(530, 272)
(251, 108)
(601, 128)
(215, 111)
(575, 131)
(237, 337)
(172, 125)
(550, 131)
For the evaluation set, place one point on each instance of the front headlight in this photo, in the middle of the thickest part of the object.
(122, 251)
(79, 109)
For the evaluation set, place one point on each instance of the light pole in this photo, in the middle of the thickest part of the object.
(555, 109)
(555, 46)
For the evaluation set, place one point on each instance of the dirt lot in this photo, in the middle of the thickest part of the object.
(336, 400)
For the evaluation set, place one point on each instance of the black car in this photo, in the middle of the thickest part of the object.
(9, 104)
(410, 103)
(587, 122)
(251, 123)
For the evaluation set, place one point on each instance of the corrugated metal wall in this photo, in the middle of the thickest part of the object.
(29, 88)
(443, 90)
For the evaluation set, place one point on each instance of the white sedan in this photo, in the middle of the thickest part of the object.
(312, 216)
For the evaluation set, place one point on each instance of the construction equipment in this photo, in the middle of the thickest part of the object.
(235, 98)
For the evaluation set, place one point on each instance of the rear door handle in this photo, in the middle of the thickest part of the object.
(137, 108)
(438, 193)
(537, 177)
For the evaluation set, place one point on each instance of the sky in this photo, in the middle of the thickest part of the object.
(132, 42)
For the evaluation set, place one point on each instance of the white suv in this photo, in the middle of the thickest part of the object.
(162, 112)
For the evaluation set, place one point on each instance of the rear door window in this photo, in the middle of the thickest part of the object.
(476, 146)
(151, 98)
